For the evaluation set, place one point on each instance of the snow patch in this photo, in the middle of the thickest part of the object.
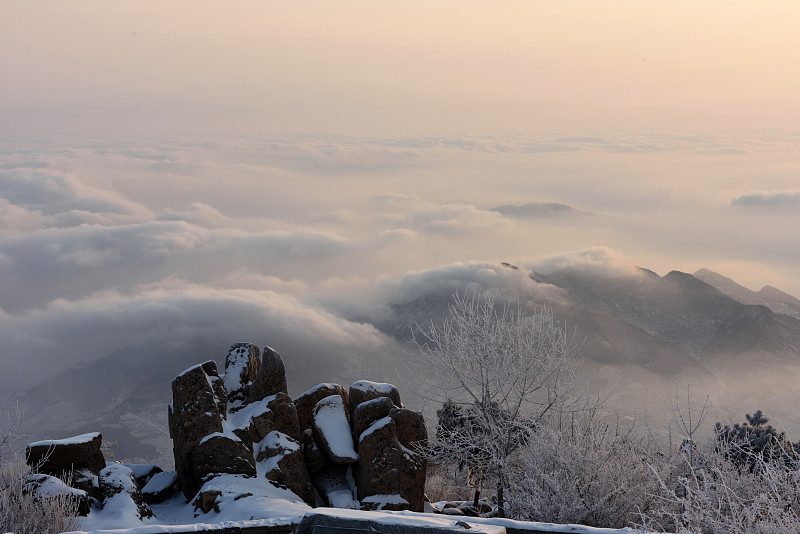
(331, 420)
(83, 438)
(160, 482)
(373, 387)
(380, 423)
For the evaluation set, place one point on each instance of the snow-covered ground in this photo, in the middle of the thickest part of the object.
(273, 507)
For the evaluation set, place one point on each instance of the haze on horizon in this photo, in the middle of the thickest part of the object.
(286, 161)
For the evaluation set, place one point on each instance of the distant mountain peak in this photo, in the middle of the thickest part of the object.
(771, 297)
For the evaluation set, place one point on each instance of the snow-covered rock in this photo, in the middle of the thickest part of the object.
(160, 487)
(332, 430)
(46, 486)
(280, 459)
(306, 402)
(365, 390)
(368, 412)
(121, 495)
(241, 366)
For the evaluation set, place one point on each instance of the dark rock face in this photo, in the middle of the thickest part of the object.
(386, 467)
(117, 482)
(368, 412)
(364, 390)
(306, 402)
(411, 430)
(285, 415)
(198, 406)
(241, 367)
(271, 377)
(332, 432)
(220, 454)
(57, 457)
(288, 466)
(314, 457)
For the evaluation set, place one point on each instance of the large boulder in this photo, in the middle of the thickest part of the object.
(368, 412)
(60, 456)
(280, 459)
(221, 454)
(306, 402)
(332, 431)
(198, 407)
(241, 367)
(390, 476)
(120, 492)
(271, 377)
(364, 390)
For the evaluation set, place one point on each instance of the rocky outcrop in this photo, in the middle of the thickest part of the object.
(59, 456)
(197, 410)
(349, 446)
(271, 377)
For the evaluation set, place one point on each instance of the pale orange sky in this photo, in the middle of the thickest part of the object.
(410, 67)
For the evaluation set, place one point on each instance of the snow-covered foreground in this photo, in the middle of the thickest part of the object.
(275, 507)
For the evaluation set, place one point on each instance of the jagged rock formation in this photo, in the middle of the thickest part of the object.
(356, 448)
(244, 423)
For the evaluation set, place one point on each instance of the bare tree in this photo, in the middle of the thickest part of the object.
(21, 508)
(497, 372)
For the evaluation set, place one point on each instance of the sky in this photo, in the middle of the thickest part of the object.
(284, 162)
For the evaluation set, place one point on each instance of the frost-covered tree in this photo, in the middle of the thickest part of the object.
(497, 372)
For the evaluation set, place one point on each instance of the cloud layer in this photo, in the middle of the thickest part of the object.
(108, 242)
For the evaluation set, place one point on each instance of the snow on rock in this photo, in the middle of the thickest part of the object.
(241, 366)
(234, 497)
(332, 431)
(122, 500)
(280, 459)
(46, 486)
(368, 412)
(306, 402)
(335, 485)
(160, 487)
(364, 390)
